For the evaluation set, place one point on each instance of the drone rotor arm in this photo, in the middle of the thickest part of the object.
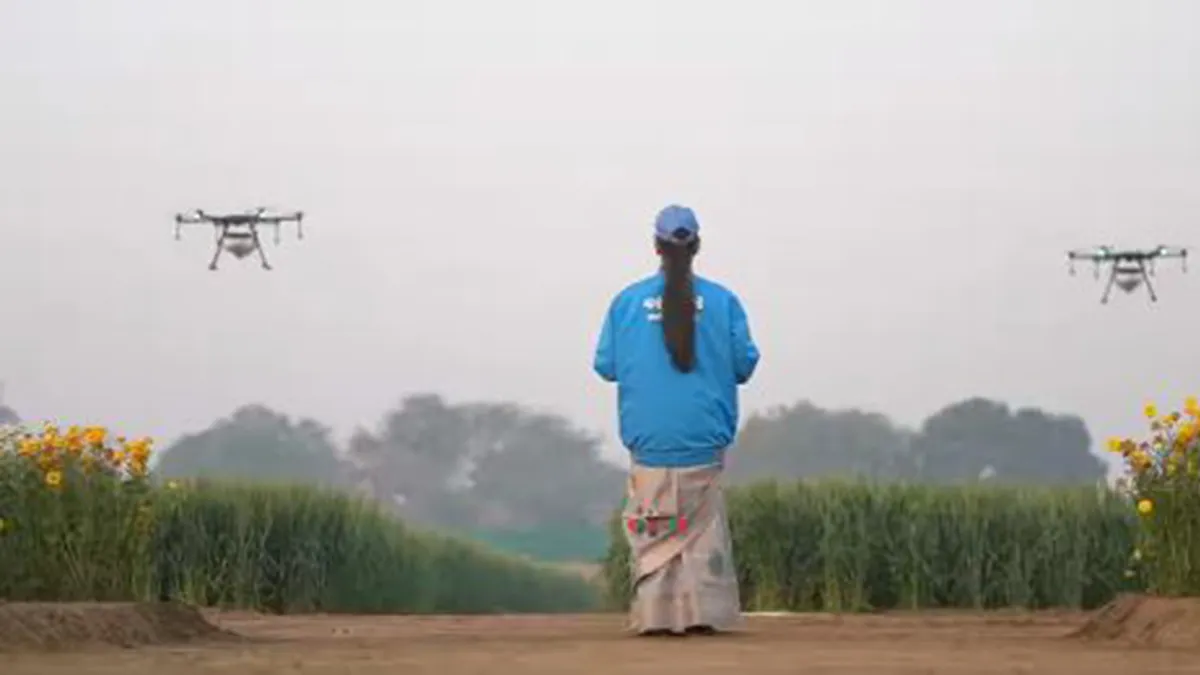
(1170, 252)
(1091, 255)
(277, 220)
(196, 217)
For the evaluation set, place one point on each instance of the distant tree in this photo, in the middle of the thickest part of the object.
(976, 439)
(483, 465)
(804, 440)
(983, 439)
(257, 443)
(416, 459)
(8, 415)
(546, 471)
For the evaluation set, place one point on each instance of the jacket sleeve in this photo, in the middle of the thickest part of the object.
(745, 352)
(605, 363)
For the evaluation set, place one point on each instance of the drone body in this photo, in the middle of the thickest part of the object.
(237, 233)
(1130, 268)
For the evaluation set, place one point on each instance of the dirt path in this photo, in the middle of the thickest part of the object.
(533, 645)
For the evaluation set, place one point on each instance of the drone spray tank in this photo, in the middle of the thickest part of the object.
(239, 244)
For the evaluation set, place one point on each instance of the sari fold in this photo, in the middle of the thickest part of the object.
(680, 550)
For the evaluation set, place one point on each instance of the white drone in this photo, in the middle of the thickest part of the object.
(1130, 268)
(238, 232)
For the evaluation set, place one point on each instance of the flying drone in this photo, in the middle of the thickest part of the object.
(1130, 268)
(237, 233)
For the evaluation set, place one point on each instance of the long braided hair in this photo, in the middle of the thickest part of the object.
(679, 301)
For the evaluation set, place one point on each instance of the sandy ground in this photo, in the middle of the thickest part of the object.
(559, 645)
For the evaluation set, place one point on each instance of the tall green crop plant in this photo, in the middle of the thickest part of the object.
(847, 546)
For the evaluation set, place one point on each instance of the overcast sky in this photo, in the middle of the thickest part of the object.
(889, 186)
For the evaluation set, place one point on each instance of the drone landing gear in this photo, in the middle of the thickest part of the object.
(1149, 286)
(255, 244)
(262, 255)
(1112, 279)
(212, 265)
(1143, 277)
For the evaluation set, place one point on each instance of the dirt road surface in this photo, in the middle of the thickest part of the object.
(559, 645)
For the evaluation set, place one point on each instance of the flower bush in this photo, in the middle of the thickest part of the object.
(75, 509)
(1163, 481)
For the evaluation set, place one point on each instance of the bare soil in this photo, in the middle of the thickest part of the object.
(1134, 635)
(67, 626)
(1141, 621)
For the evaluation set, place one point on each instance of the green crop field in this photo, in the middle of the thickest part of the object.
(81, 519)
(834, 546)
(69, 533)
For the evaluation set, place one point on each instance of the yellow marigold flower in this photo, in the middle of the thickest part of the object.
(117, 458)
(139, 448)
(54, 478)
(1140, 461)
(1145, 507)
(1115, 443)
(95, 436)
(1178, 447)
(1151, 411)
(29, 447)
(137, 468)
(1191, 406)
(74, 444)
(46, 462)
(1186, 432)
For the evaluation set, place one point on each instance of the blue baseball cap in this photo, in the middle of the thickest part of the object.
(676, 224)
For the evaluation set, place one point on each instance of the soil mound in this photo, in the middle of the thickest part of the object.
(60, 626)
(1146, 621)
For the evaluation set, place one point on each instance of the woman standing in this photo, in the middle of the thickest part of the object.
(677, 346)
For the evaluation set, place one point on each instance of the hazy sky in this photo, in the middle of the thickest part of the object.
(888, 185)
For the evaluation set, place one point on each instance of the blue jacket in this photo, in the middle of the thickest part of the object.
(669, 418)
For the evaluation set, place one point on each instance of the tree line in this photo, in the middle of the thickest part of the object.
(502, 466)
